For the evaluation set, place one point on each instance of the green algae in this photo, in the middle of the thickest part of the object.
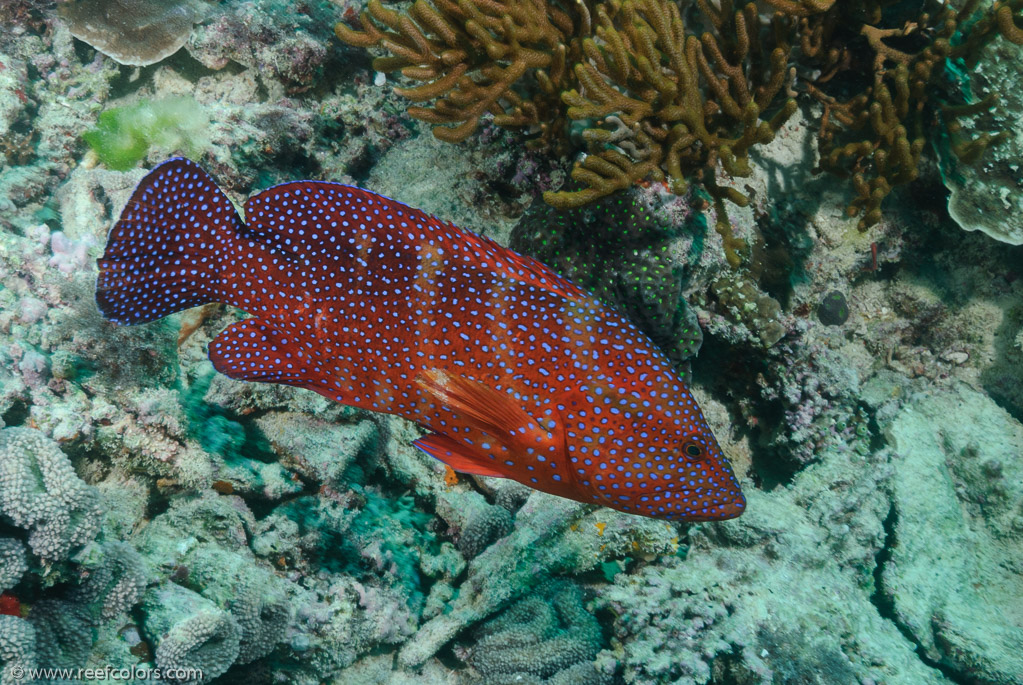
(124, 136)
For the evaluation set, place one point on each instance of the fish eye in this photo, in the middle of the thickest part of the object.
(692, 451)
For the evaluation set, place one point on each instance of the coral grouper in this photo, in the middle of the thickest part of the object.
(515, 371)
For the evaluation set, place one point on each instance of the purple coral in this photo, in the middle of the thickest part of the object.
(816, 394)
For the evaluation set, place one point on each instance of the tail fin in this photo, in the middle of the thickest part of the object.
(163, 254)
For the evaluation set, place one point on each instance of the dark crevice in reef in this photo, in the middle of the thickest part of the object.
(16, 414)
(886, 606)
(719, 372)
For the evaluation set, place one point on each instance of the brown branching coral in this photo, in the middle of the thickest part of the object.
(470, 56)
(681, 91)
(694, 102)
(877, 136)
(801, 8)
(698, 100)
(653, 100)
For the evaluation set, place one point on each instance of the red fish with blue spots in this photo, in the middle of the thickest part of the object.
(514, 371)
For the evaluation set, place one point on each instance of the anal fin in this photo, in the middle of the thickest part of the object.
(443, 448)
(255, 350)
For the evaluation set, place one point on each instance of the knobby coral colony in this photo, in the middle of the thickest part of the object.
(680, 93)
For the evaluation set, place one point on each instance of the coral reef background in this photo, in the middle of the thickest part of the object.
(857, 352)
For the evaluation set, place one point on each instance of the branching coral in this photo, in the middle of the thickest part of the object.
(877, 136)
(470, 58)
(661, 90)
(692, 103)
(652, 99)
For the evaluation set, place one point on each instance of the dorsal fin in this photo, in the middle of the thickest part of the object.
(309, 220)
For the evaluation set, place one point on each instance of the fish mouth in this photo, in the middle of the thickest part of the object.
(730, 509)
(721, 507)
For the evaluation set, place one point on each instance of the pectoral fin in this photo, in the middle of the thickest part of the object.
(456, 456)
(491, 411)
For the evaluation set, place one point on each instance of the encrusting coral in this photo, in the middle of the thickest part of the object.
(133, 32)
(17, 646)
(658, 91)
(66, 624)
(190, 631)
(12, 562)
